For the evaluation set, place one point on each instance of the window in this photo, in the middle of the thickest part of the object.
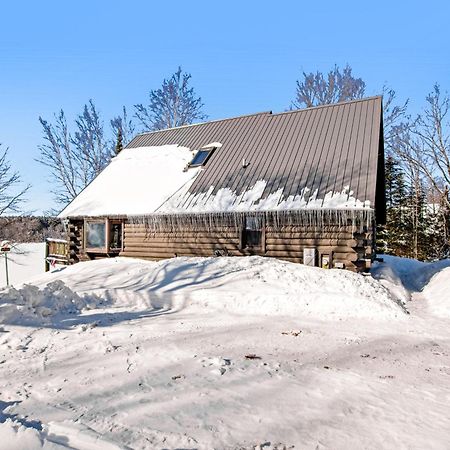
(103, 236)
(115, 241)
(252, 232)
(201, 157)
(95, 235)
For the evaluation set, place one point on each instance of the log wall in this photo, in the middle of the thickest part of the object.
(348, 245)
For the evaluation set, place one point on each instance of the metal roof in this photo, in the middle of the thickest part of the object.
(324, 149)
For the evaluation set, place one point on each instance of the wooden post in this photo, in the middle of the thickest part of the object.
(47, 264)
(6, 267)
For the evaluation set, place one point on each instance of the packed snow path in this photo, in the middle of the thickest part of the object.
(226, 353)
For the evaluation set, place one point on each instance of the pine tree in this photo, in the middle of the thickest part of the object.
(393, 236)
(119, 143)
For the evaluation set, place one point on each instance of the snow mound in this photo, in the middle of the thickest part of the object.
(247, 286)
(405, 275)
(437, 293)
(30, 304)
(16, 436)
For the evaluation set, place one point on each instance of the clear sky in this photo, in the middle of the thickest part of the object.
(244, 57)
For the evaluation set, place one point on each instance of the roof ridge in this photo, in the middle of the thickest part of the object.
(330, 105)
(201, 123)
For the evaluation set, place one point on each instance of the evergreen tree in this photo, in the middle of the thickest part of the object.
(393, 236)
(119, 143)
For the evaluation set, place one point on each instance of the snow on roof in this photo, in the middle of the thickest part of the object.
(136, 182)
(225, 200)
(153, 180)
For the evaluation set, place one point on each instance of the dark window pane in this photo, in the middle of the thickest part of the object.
(200, 157)
(252, 231)
(252, 238)
(95, 235)
(116, 236)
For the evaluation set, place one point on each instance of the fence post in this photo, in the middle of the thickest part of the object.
(47, 264)
(6, 266)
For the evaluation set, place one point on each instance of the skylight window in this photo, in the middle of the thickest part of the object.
(201, 157)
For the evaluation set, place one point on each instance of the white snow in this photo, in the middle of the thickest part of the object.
(437, 292)
(136, 182)
(226, 353)
(24, 262)
(226, 200)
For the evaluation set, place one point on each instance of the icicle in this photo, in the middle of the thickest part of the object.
(320, 218)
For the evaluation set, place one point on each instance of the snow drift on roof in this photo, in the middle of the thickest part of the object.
(225, 200)
(136, 182)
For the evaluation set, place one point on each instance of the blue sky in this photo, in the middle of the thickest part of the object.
(244, 57)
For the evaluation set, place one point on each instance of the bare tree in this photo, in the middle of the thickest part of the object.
(322, 89)
(396, 122)
(172, 105)
(92, 148)
(10, 197)
(426, 144)
(74, 160)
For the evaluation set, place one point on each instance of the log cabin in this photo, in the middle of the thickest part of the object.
(305, 186)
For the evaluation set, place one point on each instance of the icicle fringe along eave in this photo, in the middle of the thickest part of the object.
(276, 219)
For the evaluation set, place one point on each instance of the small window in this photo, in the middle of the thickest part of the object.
(201, 157)
(115, 241)
(252, 232)
(95, 235)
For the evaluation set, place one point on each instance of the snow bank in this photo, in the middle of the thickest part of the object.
(15, 436)
(437, 293)
(406, 275)
(246, 286)
(31, 305)
(136, 182)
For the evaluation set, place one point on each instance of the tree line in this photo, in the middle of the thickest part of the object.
(417, 152)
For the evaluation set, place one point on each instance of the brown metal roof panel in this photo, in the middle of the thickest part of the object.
(214, 175)
(329, 152)
(334, 154)
(278, 179)
(238, 149)
(278, 153)
(259, 159)
(306, 164)
(318, 166)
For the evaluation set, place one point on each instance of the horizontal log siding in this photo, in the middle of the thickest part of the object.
(139, 242)
(346, 244)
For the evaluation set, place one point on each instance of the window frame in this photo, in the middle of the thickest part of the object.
(256, 229)
(107, 247)
(209, 151)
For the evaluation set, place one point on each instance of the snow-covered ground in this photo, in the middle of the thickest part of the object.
(226, 353)
(24, 262)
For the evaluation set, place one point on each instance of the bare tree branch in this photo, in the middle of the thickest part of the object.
(74, 160)
(174, 104)
(318, 89)
(10, 199)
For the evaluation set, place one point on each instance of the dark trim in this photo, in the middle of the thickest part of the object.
(380, 193)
